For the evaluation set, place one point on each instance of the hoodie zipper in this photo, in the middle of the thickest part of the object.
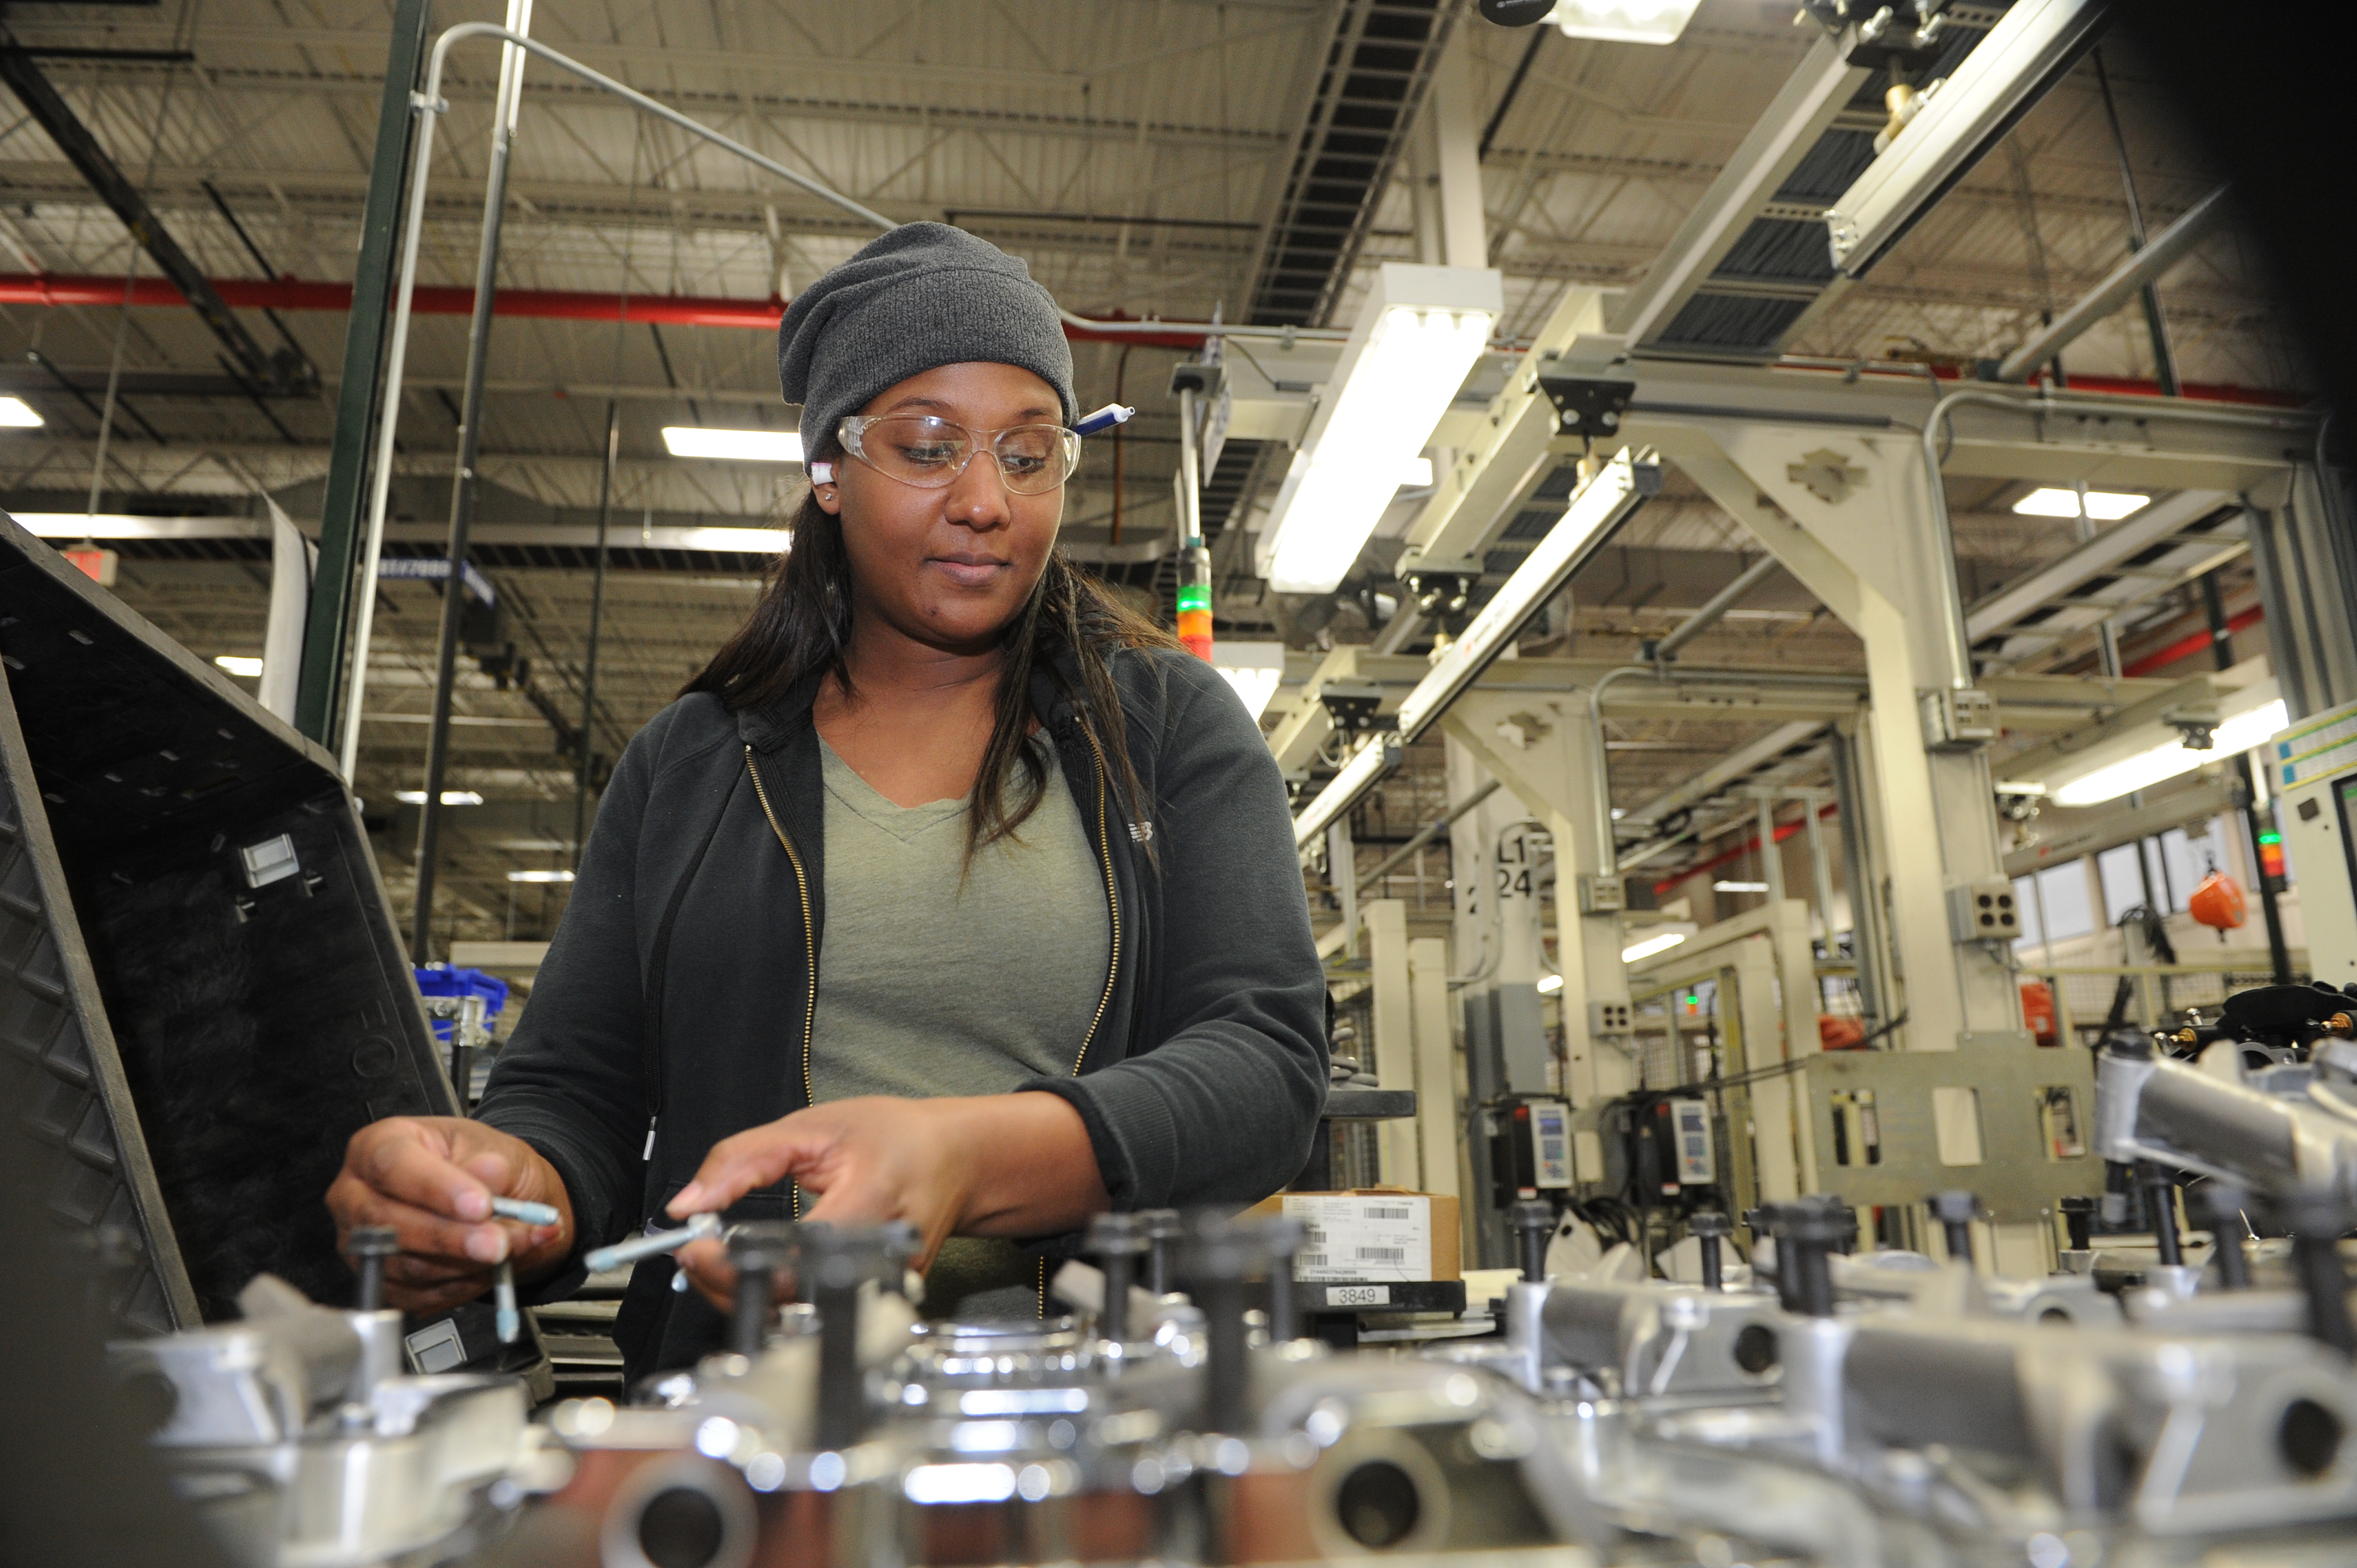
(1113, 964)
(810, 947)
(1113, 901)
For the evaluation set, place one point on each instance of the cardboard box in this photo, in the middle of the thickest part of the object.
(1371, 1233)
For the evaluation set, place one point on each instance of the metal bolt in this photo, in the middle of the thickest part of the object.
(1710, 1229)
(371, 1245)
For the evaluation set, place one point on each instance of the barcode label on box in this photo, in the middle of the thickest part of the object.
(1358, 1238)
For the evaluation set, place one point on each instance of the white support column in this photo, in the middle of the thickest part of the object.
(1438, 1121)
(1847, 513)
(1540, 749)
(1393, 1016)
(1454, 115)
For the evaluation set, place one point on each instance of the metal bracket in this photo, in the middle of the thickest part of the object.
(429, 106)
(1588, 405)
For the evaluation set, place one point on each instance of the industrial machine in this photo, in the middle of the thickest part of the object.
(1767, 1387)
(2176, 1400)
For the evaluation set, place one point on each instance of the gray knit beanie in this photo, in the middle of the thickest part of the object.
(924, 295)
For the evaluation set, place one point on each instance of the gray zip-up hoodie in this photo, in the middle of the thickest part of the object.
(675, 1005)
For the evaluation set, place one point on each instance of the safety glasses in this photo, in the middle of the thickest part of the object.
(930, 453)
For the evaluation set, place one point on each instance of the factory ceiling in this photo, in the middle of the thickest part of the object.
(1152, 158)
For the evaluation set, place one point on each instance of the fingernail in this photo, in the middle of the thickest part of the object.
(488, 1245)
(692, 1193)
(472, 1203)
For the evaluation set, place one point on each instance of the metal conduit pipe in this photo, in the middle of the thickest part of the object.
(1608, 854)
(2140, 267)
(1951, 601)
(1431, 831)
(1713, 612)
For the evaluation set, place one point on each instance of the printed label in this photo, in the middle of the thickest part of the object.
(1358, 1296)
(1361, 1237)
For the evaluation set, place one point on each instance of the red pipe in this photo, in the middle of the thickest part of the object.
(687, 310)
(544, 304)
(1749, 846)
(2186, 647)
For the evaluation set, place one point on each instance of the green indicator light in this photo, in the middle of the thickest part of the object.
(1194, 596)
(2271, 837)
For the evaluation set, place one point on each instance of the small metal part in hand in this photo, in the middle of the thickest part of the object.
(701, 1227)
(510, 1320)
(522, 1211)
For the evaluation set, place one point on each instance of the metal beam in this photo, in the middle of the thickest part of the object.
(359, 399)
(81, 149)
(2100, 555)
(2136, 270)
(1716, 610)
(1816, 94)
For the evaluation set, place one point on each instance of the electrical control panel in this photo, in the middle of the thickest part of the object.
(1696, 1165)
(2312, 767)
(1550, 1144)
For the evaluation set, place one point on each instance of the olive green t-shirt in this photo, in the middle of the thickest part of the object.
(941, 978)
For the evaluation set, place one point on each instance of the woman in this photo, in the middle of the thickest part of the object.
(949, 891)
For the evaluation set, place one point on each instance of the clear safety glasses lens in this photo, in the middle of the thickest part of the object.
(929, 453)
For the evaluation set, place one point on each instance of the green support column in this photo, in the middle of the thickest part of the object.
(358, 401)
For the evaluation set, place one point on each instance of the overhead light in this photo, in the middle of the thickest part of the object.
(1990, 89)
(1624, 21)
(449, 797)
(1375, 759)
(1595, 510)
(1652, 945)
(539, 877)
(1417, 338)
(1549, 984)
(1253, 668)
(239, 664)
(2237, 733)
(734, 445)
(15, 413)
(1738, 887)
(2104, 506)
(1418, 475)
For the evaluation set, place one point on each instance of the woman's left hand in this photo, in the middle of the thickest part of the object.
(1010, 1165)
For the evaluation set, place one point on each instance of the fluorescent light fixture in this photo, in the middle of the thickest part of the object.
(1738, 887)
(1595, 510)
(2104, 506)
(1375, 759)
(2237, 733)
(1418, 476)
(449, 797)
(239, 664)
(1624, 21)
(1549, 984)
(734, 445)
(1253, 668)
(1652, 945)
(539, 877)
(1417, 338)
(15, 413)
(2008, 71)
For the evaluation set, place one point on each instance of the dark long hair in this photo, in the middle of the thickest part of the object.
(803, 624)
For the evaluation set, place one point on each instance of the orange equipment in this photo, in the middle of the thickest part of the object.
(2217, 903)
(2038, 1011)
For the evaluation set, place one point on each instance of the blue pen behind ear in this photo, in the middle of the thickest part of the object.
(1104, 419)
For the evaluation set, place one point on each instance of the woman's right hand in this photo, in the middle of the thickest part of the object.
(432, 1179)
